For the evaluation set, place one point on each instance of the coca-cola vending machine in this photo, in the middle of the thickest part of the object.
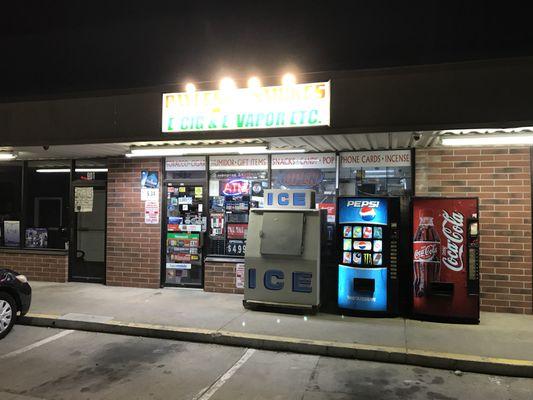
(368, 233)
(446, 259)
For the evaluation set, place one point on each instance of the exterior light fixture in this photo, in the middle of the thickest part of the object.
(7, 155)
(183, 151)
(67, 170)
(488, 140)
(288, 79)
(190, 87)
(254, 82)
(227, 84)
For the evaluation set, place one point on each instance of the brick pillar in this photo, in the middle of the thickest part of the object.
(501, 178)
(133, 247)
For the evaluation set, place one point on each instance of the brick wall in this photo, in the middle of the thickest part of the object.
(133, 247)
(220, 277)
(37, 266)
(500, 177)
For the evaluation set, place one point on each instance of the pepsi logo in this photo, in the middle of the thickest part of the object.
(362, 203)
(367, 213)
(363, 245)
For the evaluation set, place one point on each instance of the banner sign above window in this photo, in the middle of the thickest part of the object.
(287, 106)
(192, 163)
(238, 162)
(303, 161)
(361, 159)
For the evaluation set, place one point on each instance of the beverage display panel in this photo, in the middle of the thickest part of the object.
(363, 275)
(445, 258)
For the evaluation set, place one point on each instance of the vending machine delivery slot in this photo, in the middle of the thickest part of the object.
(365, 287)
(440, 289)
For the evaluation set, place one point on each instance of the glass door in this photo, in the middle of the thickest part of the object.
(87, 247)
(186, 224)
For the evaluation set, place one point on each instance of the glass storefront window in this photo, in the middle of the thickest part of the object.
(10, 203)
(236, 184)
(47, 204)
(370, 173)
(308, 171)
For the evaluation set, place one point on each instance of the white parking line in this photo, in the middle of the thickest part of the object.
(36, 344)
(207, 393)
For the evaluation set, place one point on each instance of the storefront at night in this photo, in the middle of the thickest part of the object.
(153, 188)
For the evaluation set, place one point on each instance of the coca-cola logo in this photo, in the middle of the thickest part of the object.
(452, 228)
(426, 252)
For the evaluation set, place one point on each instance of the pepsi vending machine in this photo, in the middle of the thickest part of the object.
(446, 259)
(368, 255)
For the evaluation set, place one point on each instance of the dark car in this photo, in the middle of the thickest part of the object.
(15, 298)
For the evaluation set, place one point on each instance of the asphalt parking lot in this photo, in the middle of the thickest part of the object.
(43, 363)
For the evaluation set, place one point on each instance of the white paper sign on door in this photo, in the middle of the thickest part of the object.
(83, 199)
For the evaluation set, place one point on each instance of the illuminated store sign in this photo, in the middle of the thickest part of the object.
(389, 158)
(191, 163)
(287, 106)
(238, 162)
(303, 161)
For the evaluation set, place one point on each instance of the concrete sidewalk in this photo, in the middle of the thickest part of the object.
(501, 344)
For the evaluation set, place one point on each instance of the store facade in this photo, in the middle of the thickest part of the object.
(181, 220)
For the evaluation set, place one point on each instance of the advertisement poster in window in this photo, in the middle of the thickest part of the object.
(236, 247)
(149, 185)
(237, 231)
(37, 238)
(12, 233)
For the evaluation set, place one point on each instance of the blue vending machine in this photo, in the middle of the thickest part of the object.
(368, 255)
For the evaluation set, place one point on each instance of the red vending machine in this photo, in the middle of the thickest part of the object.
(446, 259)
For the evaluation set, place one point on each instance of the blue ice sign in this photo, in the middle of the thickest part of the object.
(287, 198)
(363, 210)
(274, 279)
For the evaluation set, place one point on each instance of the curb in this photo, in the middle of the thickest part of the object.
(397, 355)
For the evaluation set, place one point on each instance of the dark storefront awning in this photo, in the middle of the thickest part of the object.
(490, 94)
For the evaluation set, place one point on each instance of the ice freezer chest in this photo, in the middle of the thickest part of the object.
(283, 258)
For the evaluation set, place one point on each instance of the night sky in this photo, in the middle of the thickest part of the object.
(51, 47)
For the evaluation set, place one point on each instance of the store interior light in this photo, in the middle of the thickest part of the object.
(7, 155)
(488, 140)
(254, 82)
(91, 169)
(227, 84)
(288, 79)
(67, 170)
(183, 151)
(190, 87)
(53, 170)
